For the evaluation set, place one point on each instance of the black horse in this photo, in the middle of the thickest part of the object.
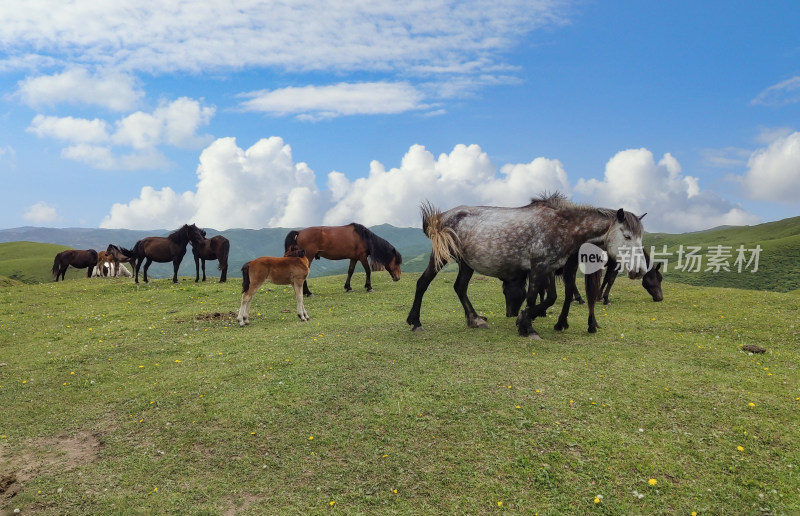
(650, 281)
(163, 249)
(515, 291)
(78, 259)
(214, 248)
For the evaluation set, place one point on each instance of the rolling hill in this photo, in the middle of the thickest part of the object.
(22, 257)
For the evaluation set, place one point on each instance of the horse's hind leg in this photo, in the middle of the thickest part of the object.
(147, 266)
(367, 269)
(422, 285)
(462, 282)
(350, 270)
(244, 307)
(223, 266)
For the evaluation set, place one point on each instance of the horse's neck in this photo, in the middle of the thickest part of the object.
(592, 227)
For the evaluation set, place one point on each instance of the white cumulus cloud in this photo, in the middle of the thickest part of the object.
(774, 172)
(41, 213)
(263, 186)
(131, 142)
(675, 202)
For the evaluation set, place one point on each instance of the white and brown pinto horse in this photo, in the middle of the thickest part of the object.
(517, 244)
(289, 269)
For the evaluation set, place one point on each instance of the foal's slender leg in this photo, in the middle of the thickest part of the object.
(244, 308)
(350, 270)
(460, 286)
(301, 309)
(422, 285)
(592, 289)
(537, 282)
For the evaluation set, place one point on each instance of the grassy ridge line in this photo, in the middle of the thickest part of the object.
(31, 262)
(353, 412)
(248, 244)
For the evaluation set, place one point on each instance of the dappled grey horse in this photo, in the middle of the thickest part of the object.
(517, 244)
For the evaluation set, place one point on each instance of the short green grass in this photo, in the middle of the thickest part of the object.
(152, 400)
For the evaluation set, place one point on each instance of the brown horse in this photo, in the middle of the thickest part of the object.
(215, 248)
(78, 259)
(105, 260)
(352, 242)
(291, 269)
(162, 249)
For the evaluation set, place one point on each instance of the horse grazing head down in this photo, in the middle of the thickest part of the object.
(623, 241)
(652, 283)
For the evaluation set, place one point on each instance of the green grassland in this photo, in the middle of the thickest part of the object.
(31, 262)
(118, 399)
(777, 264)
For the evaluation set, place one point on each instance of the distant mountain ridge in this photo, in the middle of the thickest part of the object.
(246, 244)
(778, 262)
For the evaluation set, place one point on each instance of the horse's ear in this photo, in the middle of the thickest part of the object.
(621, 215)
(642, 215)
(658, 266)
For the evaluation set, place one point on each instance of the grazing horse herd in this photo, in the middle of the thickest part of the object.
(525, 247)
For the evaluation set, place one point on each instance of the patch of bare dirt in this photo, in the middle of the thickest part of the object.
(238, 504)
(46, 455)
(217, 316)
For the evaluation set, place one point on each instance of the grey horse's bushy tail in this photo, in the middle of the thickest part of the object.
(443, 239)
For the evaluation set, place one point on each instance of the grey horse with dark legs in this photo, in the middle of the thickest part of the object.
(531, 241)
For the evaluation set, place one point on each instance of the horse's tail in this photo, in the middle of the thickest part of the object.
(128, 252)
(56, 265)
(222, 255)
(443, 239)
(245, 277)
(291, 238)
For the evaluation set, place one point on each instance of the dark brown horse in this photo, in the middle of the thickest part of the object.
(78, 259)
(162, 249)
(352, 242)
(116, 255)
(214, 248)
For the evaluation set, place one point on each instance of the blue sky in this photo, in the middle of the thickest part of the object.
(148, 115)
